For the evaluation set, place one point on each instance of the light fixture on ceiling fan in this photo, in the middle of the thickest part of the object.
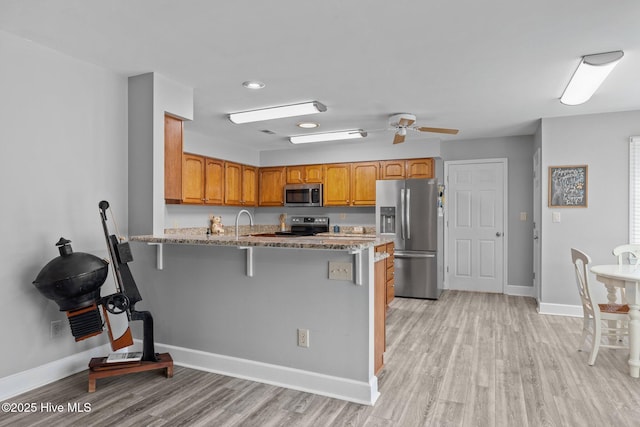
(403, 121)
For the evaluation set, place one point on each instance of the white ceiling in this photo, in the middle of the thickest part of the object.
(489, 68)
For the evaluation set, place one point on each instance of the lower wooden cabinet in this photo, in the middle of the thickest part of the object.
(389, 271)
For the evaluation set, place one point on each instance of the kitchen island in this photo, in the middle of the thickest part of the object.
(234, 306)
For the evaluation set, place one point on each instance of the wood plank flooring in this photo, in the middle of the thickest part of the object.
(469, 359)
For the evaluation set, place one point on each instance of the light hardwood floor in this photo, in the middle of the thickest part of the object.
(469, 359)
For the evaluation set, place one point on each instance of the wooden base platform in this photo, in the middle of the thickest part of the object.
(98, 368)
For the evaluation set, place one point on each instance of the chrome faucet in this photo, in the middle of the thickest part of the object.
(238, 218)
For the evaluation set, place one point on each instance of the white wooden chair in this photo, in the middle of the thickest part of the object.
(610, 319)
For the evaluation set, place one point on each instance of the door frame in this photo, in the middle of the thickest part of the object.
(505, 218)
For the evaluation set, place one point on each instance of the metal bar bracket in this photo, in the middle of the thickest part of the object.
(249, 250)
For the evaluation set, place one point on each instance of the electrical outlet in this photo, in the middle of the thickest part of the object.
(343, 215)
(340, 270)
(56, 328)
(358, 230)
(303, 338)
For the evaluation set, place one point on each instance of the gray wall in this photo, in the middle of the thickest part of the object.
(64, 149)
(519, 152)
(602, 142)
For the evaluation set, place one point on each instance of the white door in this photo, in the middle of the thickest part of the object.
(537, 195)
(476, 225)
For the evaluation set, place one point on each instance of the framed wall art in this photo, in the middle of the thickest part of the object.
(568, 186)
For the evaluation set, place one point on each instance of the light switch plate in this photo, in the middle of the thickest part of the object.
(340, 270)
(555, 217)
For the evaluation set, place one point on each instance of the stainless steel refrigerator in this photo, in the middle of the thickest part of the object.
(410, 211)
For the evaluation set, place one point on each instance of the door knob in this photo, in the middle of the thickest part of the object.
(498, 234)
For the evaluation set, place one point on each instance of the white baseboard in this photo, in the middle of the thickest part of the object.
(520, 291)
(24, 381)
(560, 309)
(281, 376)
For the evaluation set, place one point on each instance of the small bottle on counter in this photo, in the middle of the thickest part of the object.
(336, 229)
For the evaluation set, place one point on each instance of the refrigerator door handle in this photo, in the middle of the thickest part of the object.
(402, 213)
(408, 211)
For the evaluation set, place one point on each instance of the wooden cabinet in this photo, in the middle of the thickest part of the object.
(411, 168)
(193, 182)
(379, 316)
(304, 174)
(202, 179)
(240, 184)
(390, 273)
(172, 160)
(337, 184)
(249, 185)
(213, 181)
(389, 280)
(350, 184)
(271, 186)
(363, 183)
(420, 168)
(232, 184)
(393, 169)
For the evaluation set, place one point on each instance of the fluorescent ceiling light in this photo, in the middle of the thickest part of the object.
(327, 136)
(277, 112)
(589, 75)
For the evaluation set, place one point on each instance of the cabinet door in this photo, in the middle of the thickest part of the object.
(232, 184)
(390, 273)
(337, 184)
(271, 186)
(420, 168)
(249, 186)
(295, 174)
(193, 179)
(313, 174)
(172, 159)
(363, 183)
(213, 181)
(392, 169)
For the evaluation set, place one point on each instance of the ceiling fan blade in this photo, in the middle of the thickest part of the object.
(397, 139)
(405, 122)
(438, 130)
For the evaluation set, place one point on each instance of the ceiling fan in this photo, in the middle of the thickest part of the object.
(403, 121)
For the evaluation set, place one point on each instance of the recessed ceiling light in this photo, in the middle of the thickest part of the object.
(308, 125)
(253, 84)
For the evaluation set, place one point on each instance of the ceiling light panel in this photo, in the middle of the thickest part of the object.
(279, 112)
(327, 136)
(588, 77)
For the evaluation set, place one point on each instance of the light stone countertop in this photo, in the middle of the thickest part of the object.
(327, 241)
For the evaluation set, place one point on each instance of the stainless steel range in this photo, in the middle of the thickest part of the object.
(306, 226)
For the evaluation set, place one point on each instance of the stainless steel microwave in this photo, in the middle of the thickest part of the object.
(303, 195)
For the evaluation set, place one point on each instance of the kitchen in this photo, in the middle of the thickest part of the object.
(96, 143)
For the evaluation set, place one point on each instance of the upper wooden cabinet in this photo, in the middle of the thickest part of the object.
(411, 168)
(172, 159)
(337, 184)
(240, 184)
(249, 185)
(363, 183)
(213, 181)
(350, 184)
(304, 174)
(194, 177)
(420, 168)
(393, 169)
(203, 180)
(271, 186)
